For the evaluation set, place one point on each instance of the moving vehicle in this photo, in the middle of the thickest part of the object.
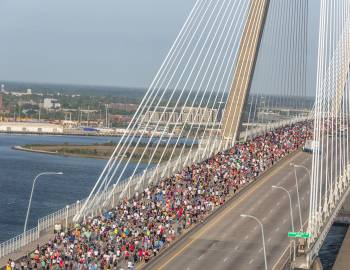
(311, 146)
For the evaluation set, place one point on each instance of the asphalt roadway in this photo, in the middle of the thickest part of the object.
(228, 241)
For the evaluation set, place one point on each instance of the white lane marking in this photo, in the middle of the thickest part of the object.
(251, 261)
(200, 257)
(277, 229)
(225, 259)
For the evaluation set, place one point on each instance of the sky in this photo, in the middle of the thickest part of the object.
(93, 42)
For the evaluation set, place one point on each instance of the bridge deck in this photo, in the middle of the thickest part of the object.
(227, 241)
(44, 238)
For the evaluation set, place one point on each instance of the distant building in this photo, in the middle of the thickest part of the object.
(117, 118)
(30, 127)
(27, 102)
(51, 103)
(123, 107)
(3, 90)
(189, 115)
(19, 94)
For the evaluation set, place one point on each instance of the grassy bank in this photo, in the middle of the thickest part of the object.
(104, 151)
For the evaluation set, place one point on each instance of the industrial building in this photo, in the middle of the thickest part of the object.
(30, 127)
(195, 115)
(51, 103)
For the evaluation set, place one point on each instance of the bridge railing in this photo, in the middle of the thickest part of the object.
(65, 213)
(157, 173)
(18, 242)
(46, 223)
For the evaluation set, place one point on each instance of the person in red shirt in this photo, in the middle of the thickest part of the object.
(132, 247)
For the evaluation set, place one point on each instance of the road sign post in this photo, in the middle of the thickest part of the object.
(304, 235)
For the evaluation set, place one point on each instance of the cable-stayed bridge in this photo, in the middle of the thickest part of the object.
(243, 87)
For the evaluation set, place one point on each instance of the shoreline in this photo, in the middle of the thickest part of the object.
(24, 149)
(99, 151)
(62, 134)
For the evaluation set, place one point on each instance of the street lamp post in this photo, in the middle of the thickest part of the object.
(290, 203)
(291, 208)
(297, 186)
(67, 208)
(113, 194)
(303, 167)
(262, 233)
(77, 208)
(31, 194)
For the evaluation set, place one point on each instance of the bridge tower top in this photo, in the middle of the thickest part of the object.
(244, 70)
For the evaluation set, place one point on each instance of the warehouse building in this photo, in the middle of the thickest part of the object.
(30, 127)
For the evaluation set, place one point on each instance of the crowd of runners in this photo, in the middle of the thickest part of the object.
(140, 227)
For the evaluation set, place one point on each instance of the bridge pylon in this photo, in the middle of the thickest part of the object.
(244, 69)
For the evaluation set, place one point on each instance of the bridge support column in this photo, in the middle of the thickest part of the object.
(301, 264)
(317, 265)
(346, 205)
(244, 70)
(344, 213)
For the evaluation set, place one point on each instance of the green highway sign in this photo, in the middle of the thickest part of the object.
(299, 234)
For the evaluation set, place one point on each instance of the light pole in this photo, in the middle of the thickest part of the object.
(298, 196)
(262, 233)
(31, 194)
(301, 166)
(67, 208)
(290, 203)
(291, 208)
(309, 173)
(113, 194)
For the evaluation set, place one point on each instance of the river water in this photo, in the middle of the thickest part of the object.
(332, 244)
(17, 170)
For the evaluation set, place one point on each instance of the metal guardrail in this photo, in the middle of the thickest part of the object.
(157, 173)
(18, 242)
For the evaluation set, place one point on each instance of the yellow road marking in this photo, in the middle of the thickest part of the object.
(207, 227)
